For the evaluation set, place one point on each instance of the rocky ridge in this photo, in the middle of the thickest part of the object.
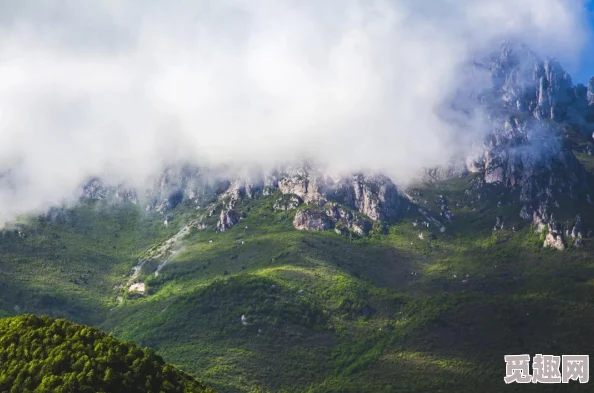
(351, 202)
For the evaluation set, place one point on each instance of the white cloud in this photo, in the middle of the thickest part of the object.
(120, 88)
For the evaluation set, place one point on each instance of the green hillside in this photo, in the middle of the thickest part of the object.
(46, 355)
(322, 312)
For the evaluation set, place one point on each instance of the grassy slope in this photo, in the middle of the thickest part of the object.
(388, 313)
(68, 266)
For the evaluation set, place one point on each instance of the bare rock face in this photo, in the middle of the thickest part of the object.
(554, 240)
(376, 197)
(299, 186)
(306, 182)
(312, 220)
(227, 219)
(373, 195)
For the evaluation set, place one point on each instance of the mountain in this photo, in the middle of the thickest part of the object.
(538, 147)
(299, 280)
(42, 355)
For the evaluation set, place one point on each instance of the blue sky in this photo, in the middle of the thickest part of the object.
(586, 66)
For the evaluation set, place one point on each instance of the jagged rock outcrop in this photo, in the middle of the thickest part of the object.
(373, 195)
(311, 219)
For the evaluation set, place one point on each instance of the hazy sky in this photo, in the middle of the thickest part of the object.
(585, 68)
(119, 88)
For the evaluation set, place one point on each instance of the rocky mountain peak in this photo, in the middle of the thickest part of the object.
(527, 83)
(532, 104)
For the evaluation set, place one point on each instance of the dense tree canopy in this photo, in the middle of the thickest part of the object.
(40, 354)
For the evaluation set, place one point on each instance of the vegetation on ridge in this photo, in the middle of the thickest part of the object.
(39, 354)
